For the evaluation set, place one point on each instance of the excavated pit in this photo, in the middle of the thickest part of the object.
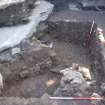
(36, 70)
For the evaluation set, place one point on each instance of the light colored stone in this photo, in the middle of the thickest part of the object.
(1, 81)
(75, 66)
(85, 72)
(6, 3)
(15, 50)
(11, 36)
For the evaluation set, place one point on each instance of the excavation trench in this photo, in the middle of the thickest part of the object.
(35, 71)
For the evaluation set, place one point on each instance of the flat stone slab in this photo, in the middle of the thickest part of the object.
(11, 36)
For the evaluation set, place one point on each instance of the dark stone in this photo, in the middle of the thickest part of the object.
(59, 4)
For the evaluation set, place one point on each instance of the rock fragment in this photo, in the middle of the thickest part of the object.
(1, 83)
(85, 72)
(24, 74)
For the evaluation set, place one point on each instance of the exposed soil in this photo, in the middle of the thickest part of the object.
(32, 87)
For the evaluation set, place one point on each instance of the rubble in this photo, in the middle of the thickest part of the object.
(85, 72)
(72, 76)
(72, 84)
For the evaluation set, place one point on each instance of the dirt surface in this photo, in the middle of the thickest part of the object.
(36, 85)
(33, 87)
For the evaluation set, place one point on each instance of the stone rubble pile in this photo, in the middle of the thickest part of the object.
(72, 84)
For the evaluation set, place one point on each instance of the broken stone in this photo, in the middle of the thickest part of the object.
(75, 66)
(85, 72)
(24, 74)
